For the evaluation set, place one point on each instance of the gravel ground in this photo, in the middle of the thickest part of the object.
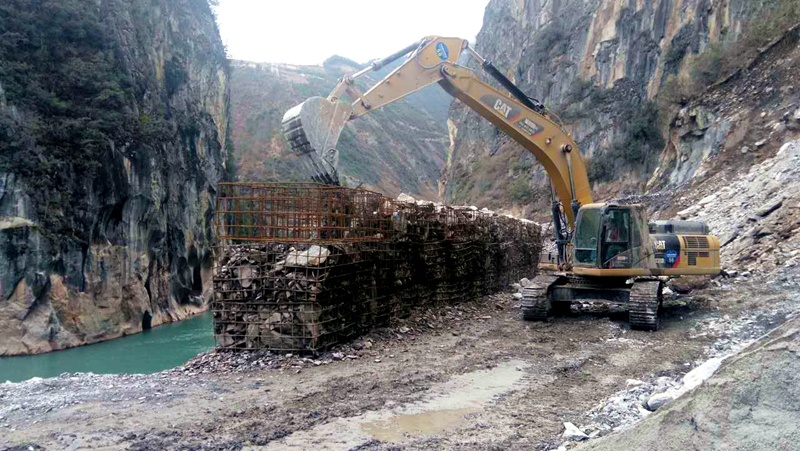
(471, 376)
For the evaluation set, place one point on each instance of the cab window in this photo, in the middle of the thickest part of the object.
(617, 226)
(586, 236)
(616, 244)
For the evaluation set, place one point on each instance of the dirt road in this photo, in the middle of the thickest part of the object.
(467, 377)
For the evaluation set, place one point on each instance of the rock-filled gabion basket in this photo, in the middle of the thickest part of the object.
(302, 267)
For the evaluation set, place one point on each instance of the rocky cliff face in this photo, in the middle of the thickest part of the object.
(599, 65)
(399, 148)
(113, 131)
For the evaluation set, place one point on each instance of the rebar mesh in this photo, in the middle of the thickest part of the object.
(301, 213)
(301, 267)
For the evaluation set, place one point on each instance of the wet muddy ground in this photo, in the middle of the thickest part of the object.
(467, 377)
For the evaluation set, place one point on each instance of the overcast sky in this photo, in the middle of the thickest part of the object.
(309, 31)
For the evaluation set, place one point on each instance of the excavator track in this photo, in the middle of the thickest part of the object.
(644, 304)
(536, 305)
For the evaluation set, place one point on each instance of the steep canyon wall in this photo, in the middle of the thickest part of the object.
(113, 137)
(599, 66)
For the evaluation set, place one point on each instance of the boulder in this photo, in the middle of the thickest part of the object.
(403, 197)
(769, 207)
(633, 382)
(571, 432)
(730, 273)
(708, 199)
(660, 399)
(314, 256)
(689, 212)
(695, 377)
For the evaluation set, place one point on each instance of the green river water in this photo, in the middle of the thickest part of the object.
(151, 351)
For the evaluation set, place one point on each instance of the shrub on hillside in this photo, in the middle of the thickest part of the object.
(519, 190)
(720, 60)
(641, 142)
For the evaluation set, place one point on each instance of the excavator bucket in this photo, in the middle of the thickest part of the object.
(312, 130)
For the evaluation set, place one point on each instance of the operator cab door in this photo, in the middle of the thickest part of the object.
(586, 246)
(616, 244)
(611, 237)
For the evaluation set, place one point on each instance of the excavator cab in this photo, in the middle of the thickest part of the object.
(609, 236)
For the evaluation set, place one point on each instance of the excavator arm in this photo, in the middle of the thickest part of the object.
(313, 127)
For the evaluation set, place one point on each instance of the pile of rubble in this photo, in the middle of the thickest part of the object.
(639, 399)
(757, 215)
(750, 403)
(225, 362)
(437, 320)
(305, 269)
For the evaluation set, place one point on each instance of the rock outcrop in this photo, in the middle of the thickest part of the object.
(599, 65)
(756, 215)
(113, 133)
(738, 122)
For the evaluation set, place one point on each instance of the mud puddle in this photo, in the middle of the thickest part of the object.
(447, 407)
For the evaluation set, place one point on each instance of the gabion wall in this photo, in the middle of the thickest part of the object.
(301, 267)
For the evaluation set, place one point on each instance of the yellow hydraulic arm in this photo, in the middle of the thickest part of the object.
(313, 127)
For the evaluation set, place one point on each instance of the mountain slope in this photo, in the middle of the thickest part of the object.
(399, 148)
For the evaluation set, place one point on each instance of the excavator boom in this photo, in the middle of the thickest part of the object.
(313, 127)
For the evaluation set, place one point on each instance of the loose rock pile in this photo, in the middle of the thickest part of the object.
(757, 215)
(290, 279)
(640, 398)
(436, 320)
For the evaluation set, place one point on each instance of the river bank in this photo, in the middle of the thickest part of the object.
(385, 389)
(163, 347)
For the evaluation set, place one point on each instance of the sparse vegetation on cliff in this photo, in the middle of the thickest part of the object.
(637, 149)
(596, 66)
(113, 137)
(76, 103)
(721, 59)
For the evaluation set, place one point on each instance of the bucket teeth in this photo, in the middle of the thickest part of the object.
(293, 132)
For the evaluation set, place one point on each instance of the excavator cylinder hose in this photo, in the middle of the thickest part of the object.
(535, 105)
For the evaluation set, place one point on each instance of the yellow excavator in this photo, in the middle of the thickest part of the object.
(606, 253)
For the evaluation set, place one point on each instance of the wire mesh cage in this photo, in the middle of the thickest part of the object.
(301, 266)
(301, 212)
(282, 297)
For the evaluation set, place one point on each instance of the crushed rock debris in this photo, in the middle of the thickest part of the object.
(627, 407)
(436, 320)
